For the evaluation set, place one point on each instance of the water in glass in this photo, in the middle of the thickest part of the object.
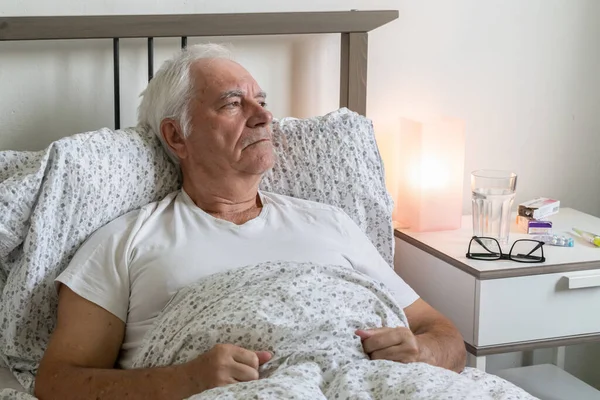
(493, 194)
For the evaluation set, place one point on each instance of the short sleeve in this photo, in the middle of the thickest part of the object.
(365, 258)
(99, 270)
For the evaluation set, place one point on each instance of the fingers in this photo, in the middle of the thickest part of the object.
(364, 334)
(367, 333)
(252, 359)
(403, 353)
(394, 344)
(393, 353)
(243, 373)
(386, 337)
(247, 363)
(225, 364)
(246, 357)
(370, 332)
(263, 356)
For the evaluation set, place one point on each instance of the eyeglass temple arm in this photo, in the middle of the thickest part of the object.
(535, 248)
(483, 245)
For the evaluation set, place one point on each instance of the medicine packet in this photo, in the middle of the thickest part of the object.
(556, 240)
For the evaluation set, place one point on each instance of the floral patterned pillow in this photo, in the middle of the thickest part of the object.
(50, 202)
(334, 159)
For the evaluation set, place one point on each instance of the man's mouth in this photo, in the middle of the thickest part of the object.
(257, 142)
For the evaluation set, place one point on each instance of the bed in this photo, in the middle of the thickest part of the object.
(37, 175)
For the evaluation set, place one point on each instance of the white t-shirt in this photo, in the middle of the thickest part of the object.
(135, 264)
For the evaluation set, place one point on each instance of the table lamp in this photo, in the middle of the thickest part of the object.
(429, 171)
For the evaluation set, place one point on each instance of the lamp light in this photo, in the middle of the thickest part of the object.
(429, 172)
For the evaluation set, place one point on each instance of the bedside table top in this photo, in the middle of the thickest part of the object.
(451, 246)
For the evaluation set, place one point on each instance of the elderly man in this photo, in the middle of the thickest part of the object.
(211, 116)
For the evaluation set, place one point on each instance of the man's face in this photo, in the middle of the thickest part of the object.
(230, 127)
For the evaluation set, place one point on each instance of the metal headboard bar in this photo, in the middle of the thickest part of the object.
(150, 58)
(353, 26)
(116, 80)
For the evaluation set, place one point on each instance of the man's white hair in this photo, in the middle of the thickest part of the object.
(170, 91)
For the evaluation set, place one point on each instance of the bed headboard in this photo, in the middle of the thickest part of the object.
(353, 26)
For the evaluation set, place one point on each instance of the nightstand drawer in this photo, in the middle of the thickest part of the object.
(538, 307)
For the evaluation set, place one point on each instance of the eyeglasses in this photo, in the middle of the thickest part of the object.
(523, 250)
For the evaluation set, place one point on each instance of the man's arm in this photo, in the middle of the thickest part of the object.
(80, 358)
(439, 341)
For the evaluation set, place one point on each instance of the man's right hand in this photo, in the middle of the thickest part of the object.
(225, 364)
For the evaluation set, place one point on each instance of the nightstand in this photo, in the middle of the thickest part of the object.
(505, 306)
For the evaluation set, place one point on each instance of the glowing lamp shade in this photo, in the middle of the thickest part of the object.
(429, 169)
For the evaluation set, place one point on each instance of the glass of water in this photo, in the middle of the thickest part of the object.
(493, 193)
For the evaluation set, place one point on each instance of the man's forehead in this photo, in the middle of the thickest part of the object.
(221, 76)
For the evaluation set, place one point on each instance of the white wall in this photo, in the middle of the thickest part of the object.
(524, 75)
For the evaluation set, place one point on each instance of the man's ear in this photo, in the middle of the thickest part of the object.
(173, 134)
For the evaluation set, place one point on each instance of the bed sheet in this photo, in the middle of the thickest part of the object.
(7, 379)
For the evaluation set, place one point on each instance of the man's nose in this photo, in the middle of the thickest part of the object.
(260, 117)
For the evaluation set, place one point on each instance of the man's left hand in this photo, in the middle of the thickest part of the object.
(394, 344)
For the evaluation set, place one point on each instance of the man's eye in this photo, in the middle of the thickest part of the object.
(263, 104)
(233, 104)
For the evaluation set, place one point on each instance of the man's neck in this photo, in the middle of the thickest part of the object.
(237, 202)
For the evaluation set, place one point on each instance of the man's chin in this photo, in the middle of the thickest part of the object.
(260, 165)
(265, 168)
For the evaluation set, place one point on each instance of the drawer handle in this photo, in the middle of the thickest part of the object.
(583, 281)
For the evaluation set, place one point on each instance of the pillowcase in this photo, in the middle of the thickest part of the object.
(334, 160)
(52, 200)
